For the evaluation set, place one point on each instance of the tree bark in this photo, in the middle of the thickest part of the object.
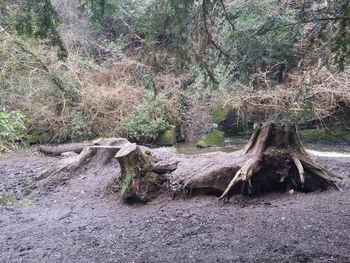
(273, 160)
(93, 157)
(137, 180)
(277, 160)
(58, 150)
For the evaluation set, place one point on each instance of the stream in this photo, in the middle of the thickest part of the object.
(236, 143)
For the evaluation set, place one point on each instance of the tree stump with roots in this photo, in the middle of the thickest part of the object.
(276, 160)
(273, 160)
(92, 156)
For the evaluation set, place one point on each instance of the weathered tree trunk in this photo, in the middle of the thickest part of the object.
(93, 156)
(273, 160)
(58, 150)
(137, 180)
(277, 160)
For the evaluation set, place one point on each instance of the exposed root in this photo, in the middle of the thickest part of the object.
(164, 167)
(273, 160)
(300, 168)
(319, 177)
(251, 142)
(243, 175)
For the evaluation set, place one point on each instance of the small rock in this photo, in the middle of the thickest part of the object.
(291, 191)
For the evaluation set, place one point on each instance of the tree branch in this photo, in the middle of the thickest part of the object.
(204, 7)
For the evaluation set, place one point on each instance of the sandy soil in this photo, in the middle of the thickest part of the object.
(78, 222)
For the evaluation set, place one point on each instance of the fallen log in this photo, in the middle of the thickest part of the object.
(273, 160)
(59, 149)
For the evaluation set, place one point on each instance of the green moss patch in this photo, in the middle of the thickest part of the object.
(167, 138)
(125, 184)
(8, 200)
(215, 138)
(333, 135)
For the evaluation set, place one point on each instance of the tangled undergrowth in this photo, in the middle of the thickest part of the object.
(12, 129)
(78, 100)
(317, 95)
(127, 76)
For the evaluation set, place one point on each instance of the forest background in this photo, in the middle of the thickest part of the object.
(167, 71)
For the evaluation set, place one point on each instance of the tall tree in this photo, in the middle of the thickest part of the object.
(33, 18)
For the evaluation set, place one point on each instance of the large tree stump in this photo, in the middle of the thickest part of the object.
(94, 156)
(273, 160)
(137, 181)
(277, 160)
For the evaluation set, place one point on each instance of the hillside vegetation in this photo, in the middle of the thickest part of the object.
(137, 69)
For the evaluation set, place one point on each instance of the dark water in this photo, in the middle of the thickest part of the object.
(236, 143)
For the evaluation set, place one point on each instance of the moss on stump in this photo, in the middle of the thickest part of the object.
(137, 182)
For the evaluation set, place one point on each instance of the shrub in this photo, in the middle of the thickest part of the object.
(149, 118)
(12, 129)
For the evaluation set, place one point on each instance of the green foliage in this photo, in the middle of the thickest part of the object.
(115, 51)
(223, 45)
(221, 42)
(12, 129)
(246, 37)
(98, 9)
(215, 138)
(335, 134)
(114, 19)
(329, 35)
(167, 138)
(165, 26)
(166, 19)
(259, 42)
(149, 119)
(80, 127)
(340, 42)
(218, 114)
(46, 94)
(34, 18)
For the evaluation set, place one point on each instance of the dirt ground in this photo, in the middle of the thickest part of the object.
(78, 222)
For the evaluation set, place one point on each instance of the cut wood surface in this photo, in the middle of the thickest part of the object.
(94, 157)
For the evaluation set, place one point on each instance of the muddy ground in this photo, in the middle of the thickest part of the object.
(78, 222)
